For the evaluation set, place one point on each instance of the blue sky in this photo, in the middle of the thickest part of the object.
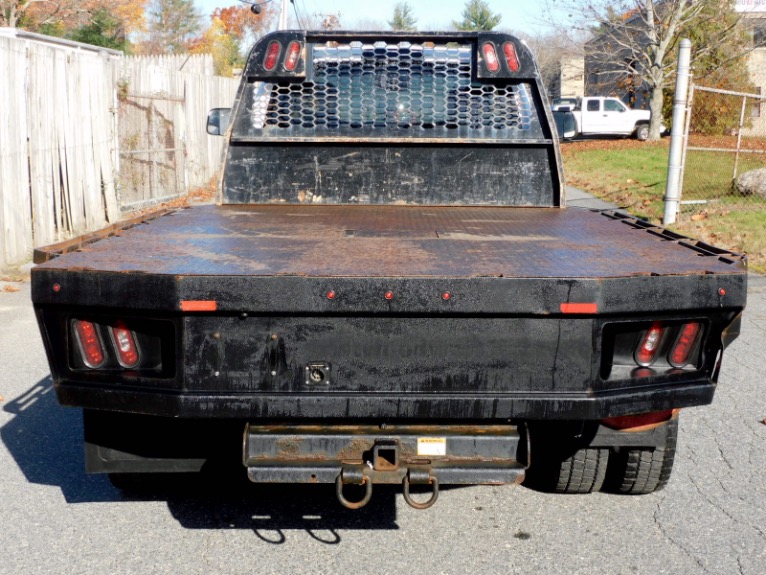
(431, 14)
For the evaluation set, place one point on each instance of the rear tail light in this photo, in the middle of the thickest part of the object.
(293, 55)
(91, 350)
(511, 57)
(272, 55)
(144, 347)
(647, 348)
(685, 344)
(638, 350)
(125, 346)
(490, 56)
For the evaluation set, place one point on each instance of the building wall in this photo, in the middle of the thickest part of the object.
(757, 67)
(573, 76)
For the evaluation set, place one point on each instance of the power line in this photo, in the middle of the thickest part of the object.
(297, 17)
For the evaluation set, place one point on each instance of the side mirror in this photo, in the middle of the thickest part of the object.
(218, 121)
(565, 124)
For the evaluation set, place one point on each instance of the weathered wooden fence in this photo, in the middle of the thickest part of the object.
(66, 166)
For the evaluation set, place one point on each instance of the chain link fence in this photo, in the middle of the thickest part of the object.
(725, 153)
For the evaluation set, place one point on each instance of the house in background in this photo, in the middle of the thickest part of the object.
(600, 72)
(572, 76)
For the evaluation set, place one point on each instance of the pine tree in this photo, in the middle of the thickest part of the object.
(477, 16)
(403, 18)
(104, 30)
(171, 23)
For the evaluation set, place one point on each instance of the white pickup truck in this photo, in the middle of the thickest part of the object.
(596, 116)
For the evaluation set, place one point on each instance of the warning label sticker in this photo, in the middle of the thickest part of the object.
(432, 446)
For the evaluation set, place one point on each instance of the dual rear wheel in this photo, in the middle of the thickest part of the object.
(563, 466)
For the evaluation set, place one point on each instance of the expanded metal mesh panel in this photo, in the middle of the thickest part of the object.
(400, 90)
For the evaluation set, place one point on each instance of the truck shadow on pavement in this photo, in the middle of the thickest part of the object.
(45, 440)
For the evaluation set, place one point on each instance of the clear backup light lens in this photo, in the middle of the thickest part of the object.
(650, 343)
(293, 55)
(272, 55)
(681, 352)
(125, 345)
(91, 351)
(490, 57)
(511, 57)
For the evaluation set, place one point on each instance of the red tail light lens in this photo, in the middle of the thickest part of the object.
(125, 345)
(681, 352)
(490, 57)
(272, 55)
(511, 57)
(293, 55)
(91, 351)
(650, 343)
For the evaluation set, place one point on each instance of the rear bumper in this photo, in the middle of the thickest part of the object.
(410, 407)
(474, 454)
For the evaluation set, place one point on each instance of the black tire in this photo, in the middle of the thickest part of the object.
(560, 464)
(583, 472)
(642, 132)
(641, 471)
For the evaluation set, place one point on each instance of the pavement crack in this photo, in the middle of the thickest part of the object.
(666, 534)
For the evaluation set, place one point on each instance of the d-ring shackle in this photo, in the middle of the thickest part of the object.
(426, 504)
(353, 504)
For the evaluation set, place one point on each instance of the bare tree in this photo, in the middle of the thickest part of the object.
(635, 41)
(552, 50)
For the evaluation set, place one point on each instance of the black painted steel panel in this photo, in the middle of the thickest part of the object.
(390, 242)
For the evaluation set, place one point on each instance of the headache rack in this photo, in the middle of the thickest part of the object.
(392, 118)
(346, 85)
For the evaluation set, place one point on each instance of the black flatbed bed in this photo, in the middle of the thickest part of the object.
(396, 241)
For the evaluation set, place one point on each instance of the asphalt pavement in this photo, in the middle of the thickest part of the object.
(56, 519)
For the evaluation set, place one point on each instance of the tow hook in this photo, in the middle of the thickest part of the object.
(419, 477)
(357, 476)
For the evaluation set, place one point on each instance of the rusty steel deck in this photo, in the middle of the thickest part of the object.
(395, 241)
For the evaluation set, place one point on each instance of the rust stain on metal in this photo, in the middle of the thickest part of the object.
(390, 241)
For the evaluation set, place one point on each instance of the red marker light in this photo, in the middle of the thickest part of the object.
(580, 308)
(199, 305)
(90, 344)
(511, 57)
(272, 55)
(125, 344)
(446, 295)
(721, 292)
(56, 288)
(389, 295)
(293, 55)
(331, 294)
(490, 56)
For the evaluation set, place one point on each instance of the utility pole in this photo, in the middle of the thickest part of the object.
(675, 167)
(283, 15)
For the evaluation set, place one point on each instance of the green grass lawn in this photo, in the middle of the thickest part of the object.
(632, 175)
